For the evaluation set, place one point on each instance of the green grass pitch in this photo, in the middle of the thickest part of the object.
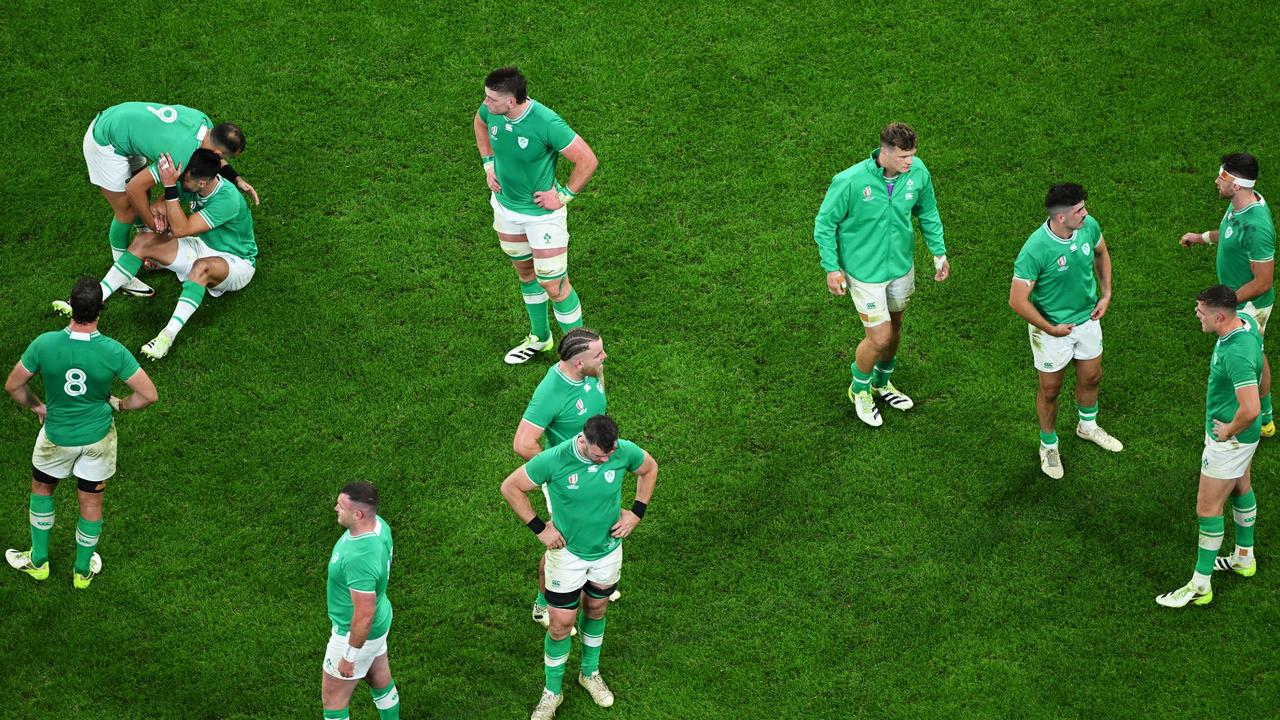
(794, 564)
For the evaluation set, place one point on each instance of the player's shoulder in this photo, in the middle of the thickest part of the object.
(919, 168)
(629, 450)
(541, 112)
(1092, 225)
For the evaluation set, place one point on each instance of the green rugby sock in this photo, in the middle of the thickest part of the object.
(882, 371)
(555, 653)
(40, 515)
(1049, 439)
(592, 632)
(188, 302)
(568, 311)
(118, 236)
(541, 600)
(343, 714)
(87, 532)
(121, 272)
(1088, 415)
(535, 303)
(1266, 414)
(1211, 531)
(861, 380)
(1244, 510)
(387, 700)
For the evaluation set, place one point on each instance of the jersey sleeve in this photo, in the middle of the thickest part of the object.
(483, 112)
(541, 411)
(633, 455)
(559, 134)
(1262, 242)
(31, 357)
(835, 208)
(926, 210)
(362, 571)
(1027, 266)
(128, 363)
(222, 210)
(539, 468)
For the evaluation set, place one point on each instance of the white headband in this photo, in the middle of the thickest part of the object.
(1224, 175)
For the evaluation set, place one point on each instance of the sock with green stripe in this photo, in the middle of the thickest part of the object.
(541, 600)
(40, 515)
(882, 371)
(1048, 439)
(568, 311)
(535, 303)
(387, 700)
(1266, 415)
(1211, 531)
(121, 272)
(1088, 416)
(188, 302)
(87, 532)
(1244, 510)
(861, 380)
(118, 236)
(554, 655)
(592, 632)
(343, 714)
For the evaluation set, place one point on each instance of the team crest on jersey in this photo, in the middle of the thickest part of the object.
(333, 559)
(866, 193)
(609, 475)
(910, 184)
(1229, 231)
(523, 142)
(1085, 250)
(582, 407)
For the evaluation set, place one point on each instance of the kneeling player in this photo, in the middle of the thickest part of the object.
(213, 250)
(583, 478)
(78, 436)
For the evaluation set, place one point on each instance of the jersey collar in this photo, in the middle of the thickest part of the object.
(566, 378)
(1049, 231)
(1257, 201)
(86, 337)
(377, 530)
(578, 454)
(526, 112)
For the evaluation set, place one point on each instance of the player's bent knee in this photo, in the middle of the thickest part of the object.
(90, 486)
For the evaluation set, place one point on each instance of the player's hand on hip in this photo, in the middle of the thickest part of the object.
(40, 411)
(627, 522)
(491, 178)
(551, 537)
(1189, 239)
(548, 199)
(836, 282)
(1220, 431)
(944, 271)
(346, 668)
(1061, 330)
(1100, 309)
(247, 189)
(169, 172)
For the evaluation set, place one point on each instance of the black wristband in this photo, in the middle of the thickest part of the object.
(228, 172)
(536, 525)
(638, 508)
(170, 192)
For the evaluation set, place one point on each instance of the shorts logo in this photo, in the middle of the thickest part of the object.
(555, 583)
(866, 193)
(582, 407)
(523, 142)
(546, 237)
(871, 306)
(609, 475)
(1048, 365)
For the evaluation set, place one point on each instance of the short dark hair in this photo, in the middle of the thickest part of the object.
(1242, 165)
(361, 493)
(508, 80)
(576, 341)
(898, 135)
(1219, 297)
(229, 137)
(1064, 195)
(86, 300)
(602, 432)
(203, 165)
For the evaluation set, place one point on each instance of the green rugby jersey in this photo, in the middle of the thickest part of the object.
(152, 129)
(864, 225)
(586, 499)
(1246, 236)
(525, 152)
(1236, 363)
(77, 369)
(227, 213)
(561, 406)
(361, 562)
(1066, 290)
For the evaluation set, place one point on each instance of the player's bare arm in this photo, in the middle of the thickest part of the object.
(646, 479)
(584, 166)
(17, 388)
(516, 489)
(144, 393)
(1195, 238)
(526, 440)
(1263, 277)
(1250, 405)
(139, 193)
(363, 605)
(486, 151)
(1102, 266)
(239, 181)
(1020, 301)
